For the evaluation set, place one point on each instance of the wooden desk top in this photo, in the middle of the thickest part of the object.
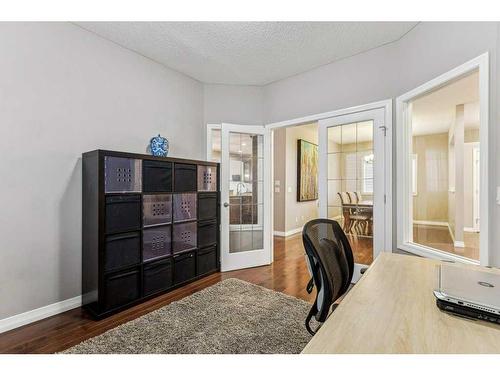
(392, 310)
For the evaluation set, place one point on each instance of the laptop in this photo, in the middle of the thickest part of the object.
(468, 292)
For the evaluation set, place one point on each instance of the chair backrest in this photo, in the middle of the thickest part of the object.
(331, 262)
(359, 197)
(344, 198)
(353, 197)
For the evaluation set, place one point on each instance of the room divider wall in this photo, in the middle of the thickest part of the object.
(149, 225)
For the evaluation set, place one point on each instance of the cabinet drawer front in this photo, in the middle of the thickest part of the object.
(207, 206)
(185, 207)
(156, 209)
(122, 250)
(156, 242)
(121, 289)
(184, 267)
(184, 237)
(206, 260)
(184, 177)
(157, 277)
(207, 233)
(157, 176)
(123, 213)
(207, 178)
(122, 175)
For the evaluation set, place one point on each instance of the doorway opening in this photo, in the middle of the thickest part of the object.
(442, 159)
(295, 163)
(295, 186)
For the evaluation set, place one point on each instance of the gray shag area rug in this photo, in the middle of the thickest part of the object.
(232, 316)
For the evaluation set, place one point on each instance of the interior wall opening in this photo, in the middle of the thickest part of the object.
(295, 185)
(444, 155)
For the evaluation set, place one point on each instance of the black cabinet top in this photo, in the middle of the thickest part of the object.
(148, 157)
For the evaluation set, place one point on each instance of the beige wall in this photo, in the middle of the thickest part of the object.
(439, 175)
(431, 201)
(471, 135)
(297, 213)
(288, 213)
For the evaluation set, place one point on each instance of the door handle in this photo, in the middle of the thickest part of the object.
(226, 204)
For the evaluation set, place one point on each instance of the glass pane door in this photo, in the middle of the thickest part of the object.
(350, 184)
(245, 192)
(245, 238)
(351, 189)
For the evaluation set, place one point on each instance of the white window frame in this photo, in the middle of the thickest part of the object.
(476, 202)
(414, 174)
(404, 188)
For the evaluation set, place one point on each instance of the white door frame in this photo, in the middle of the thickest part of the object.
(476, 193)
(387, 106)
(404, 196)
(208, 150)
(251, 258)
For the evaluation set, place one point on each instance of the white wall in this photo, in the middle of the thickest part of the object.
(64, 91)
(233, 104)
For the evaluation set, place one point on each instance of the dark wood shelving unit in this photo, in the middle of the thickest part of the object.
(150, 225)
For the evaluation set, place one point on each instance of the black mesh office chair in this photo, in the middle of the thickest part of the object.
(331, 263)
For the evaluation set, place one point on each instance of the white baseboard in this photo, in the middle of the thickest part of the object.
(38, 314)
(459, 243)
(472, 230)
(288, 233)
(428, 222)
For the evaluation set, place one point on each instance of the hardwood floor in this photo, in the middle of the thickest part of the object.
(287, 274)
(439, 238)
(362, 248)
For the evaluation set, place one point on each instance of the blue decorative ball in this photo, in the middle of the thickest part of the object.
(159, 146)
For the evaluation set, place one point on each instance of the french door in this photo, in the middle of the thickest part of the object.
(245, 196)
(352, 181)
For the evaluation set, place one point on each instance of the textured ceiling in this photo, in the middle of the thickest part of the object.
(434, 112)
(248, 53)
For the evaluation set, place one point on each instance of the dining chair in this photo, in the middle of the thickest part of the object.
(365, 214)
(353, 221)
(353, 196)
(359, 196)
(346, 211)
